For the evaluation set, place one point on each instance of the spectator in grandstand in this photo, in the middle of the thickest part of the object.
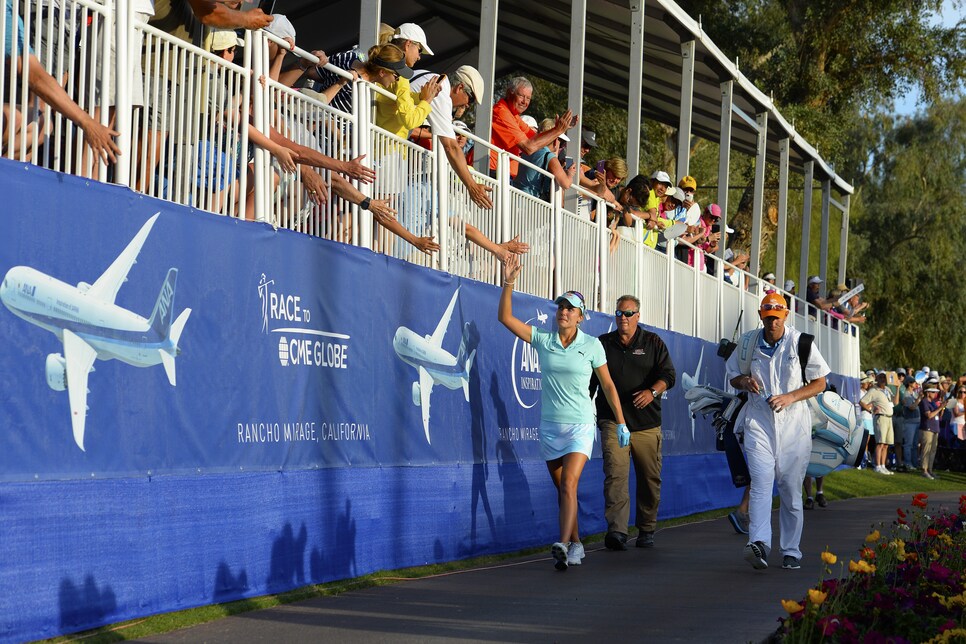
(930, 410)
(688, 186)
(706, 236)
(568, 357)
(642, 372)
(588, 141)
(879, 402)
(546, 158)
(386, 66)
(97, 137)
(381, 211)
(769, 282)
(813, 295)
(463, 141)
(466, 88)
(733, 262)
(511, 133)
(852, 308)
(411, 38)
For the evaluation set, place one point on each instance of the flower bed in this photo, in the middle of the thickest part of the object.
(907, 586)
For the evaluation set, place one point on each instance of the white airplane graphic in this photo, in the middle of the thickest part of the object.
(91, 326)
(435, 365)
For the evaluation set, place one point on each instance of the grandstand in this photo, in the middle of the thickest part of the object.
(288, 448)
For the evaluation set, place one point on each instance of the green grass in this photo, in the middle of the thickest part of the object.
(846, 484)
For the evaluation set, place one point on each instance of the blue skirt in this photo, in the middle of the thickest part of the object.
(559, 439)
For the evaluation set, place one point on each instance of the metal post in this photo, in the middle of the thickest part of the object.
(823, 253)
(806, 226)
(844, 241)
(687, 99)
(260, 121)
(575, 85)
(370, 14)
(635, 91)
(557, 238)
(489, 19)
(758, 195)
(724, 161)
(123, 26)
(442, 204)
(362, 101)
(782, 234)
(602, 230)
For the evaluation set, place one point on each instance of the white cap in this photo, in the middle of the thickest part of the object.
(814, 279)
(529, 120)
(789, 285)
(225, 39)
(460, 124)
(564, 137)
(468, 75)
(662, 177)
(412, 31)
(674, 193)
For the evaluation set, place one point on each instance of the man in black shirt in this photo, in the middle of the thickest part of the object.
(641, 368)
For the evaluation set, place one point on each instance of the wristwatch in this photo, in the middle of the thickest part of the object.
(654, 394)
(365, 203)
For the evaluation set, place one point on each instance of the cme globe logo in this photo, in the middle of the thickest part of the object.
(525, 368)
(283, 351)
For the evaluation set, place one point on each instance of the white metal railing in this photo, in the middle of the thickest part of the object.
(188, 141)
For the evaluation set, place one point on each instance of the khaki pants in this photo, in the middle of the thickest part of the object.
(645, 450)
(929, 443)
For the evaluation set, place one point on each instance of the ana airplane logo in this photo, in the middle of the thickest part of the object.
(92, 327)
(434, 365)
(688, 382)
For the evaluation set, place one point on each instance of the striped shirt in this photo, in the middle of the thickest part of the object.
(343, 60)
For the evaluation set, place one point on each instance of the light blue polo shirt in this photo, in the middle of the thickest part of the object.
(565, 397)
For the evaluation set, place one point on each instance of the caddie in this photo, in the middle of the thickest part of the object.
(781, 369)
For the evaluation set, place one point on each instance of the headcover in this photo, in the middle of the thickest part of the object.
(574, 299)
(773, 305)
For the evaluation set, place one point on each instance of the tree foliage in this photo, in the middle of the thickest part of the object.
(909, 239)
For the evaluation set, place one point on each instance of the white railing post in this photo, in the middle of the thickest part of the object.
(439, 217)
(123, 33)
(502, 203)
(669, 263)
(557, 232)
(638, 258)
(362, 140)
(604, 249)
(260, 121)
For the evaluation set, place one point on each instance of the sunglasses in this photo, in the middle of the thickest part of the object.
(577, 293)
(774, 307)
(472, 97)
(626, 314)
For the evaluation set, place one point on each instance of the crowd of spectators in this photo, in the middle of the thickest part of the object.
(915, 420)
(416, 105)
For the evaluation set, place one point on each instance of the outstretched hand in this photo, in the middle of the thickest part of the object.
(511, 268)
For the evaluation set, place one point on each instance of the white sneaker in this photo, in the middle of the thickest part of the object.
(559, 553)
(575, 553)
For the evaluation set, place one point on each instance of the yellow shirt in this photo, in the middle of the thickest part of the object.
(403, 114)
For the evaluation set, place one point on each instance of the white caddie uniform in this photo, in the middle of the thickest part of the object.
(778, 444)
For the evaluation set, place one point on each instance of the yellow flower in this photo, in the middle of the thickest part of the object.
(792, 607)
(862, 566)
(816, 596)
(934, 553)
(946, 539)
(829, 558)
(873, 537)
(952, 635)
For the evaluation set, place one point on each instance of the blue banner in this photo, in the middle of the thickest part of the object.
(131, 346)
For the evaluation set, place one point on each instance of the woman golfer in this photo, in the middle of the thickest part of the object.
(567, 422)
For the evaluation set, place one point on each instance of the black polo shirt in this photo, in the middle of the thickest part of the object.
(633, 368)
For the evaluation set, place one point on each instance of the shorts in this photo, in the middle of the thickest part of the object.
(883, 430)
(559, 439)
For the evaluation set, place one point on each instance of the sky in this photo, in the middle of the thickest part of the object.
(949, 15)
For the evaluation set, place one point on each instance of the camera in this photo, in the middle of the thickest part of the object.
(716, 228)
(726, 347)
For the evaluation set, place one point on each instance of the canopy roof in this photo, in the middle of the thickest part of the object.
(534, 35)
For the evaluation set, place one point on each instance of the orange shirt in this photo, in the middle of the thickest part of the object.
(508, 130)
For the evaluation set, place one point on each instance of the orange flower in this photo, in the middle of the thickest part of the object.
(873, 537)
(816, 596)
(920, 500)
(867, 553)
(912, 556)
(861, 566)
(829, 558)
(792, 607)
(932, 532)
